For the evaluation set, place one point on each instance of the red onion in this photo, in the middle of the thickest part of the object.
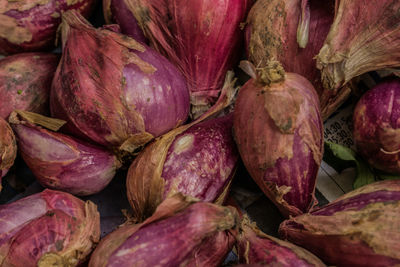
(62, 162)
(31, 25)
(255, 247)
(376, 128)
(364, 36)
(119, 12)
(278, 130)
(8, 148)
(199, 161)
(113, 90)
(180, 233)
(201, 37)
(50, 228)
(25, 81)
(292, 33)
(361, 228)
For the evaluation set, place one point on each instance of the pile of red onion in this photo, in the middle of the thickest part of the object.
(155, 112)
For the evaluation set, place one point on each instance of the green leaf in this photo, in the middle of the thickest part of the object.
(340, 157)
(364, 175)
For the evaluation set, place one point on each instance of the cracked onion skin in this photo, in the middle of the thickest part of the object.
(202, 38)
(113, 90)
(65, 163)
(181, 232)
(8, 148)
(25, 82)
(199, 161)
(255, 247)
(31, 25)
(365, 36)
(50, 228)
(361, 228)
(276, 37)
(376, 126)
(278, 131)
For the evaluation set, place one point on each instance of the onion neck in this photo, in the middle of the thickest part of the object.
(273, 72)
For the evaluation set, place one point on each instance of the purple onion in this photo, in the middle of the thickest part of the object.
(114, 91)
(198, 161)
(25, 81)
(255, 247)
(50, 228)
(65, 163)
(32, 25)
(278, 130)
(361, 228)
(376, 122)
(179, 233)
(118, 11)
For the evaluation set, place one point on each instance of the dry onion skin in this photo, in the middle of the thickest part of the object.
(361, 228)
(31, 25)
(50, 228)
(25, 82)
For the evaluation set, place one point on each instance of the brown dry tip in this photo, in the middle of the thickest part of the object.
(273, 72)
(51, 259)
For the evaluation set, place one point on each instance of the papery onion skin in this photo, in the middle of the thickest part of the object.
(112, 90)
(25, 82)
(202, 37)
(278, 130)
(376, 126)
(274, 37)
(117, 11)
(31, 25)
(199, 162)
(172, 237)
(361, 228)
(364, 36)
(50, 224)
(8, 148)
(255, 247)
(64, 163)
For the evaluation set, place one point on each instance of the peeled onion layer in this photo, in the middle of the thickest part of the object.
(365, 36)
(361, 228)
(181, 232)
(197, 159)
(48, 227)
(117, 11)
(278, 131)
(31, 25)
(202, 38)
(62, 162)
(8, 148)
(255, 247)
(113, 90)
(25, 81)
(376, 126)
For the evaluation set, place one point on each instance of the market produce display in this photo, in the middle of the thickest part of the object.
(179, 103)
